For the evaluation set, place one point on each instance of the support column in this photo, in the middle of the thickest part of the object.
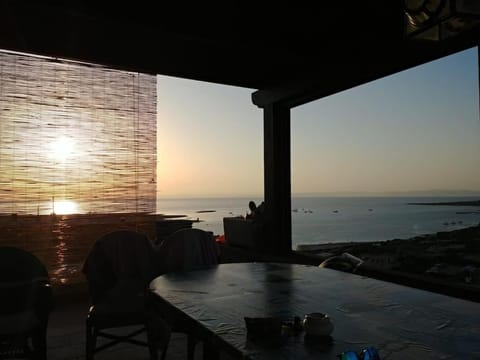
(277, 179)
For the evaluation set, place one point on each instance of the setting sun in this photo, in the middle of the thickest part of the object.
(62, 148)
(64, 207)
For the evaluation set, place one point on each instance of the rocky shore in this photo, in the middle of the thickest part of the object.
(452, 257)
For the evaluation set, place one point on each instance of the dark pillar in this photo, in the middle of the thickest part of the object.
(277, 188)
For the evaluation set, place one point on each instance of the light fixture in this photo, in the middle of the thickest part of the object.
(436, 20)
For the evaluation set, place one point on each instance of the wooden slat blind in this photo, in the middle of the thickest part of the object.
(75, 132)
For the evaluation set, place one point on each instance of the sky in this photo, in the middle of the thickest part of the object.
(415, 131)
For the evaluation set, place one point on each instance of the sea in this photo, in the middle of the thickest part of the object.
(318, 220)
(62, 242)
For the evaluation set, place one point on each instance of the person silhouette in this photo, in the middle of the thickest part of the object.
(253, 207)
(256, 212)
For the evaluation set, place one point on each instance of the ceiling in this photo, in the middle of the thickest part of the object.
(253, 44)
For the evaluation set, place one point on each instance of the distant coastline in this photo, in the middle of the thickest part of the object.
(450, 203)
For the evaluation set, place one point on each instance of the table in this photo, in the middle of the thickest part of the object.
(402, 322)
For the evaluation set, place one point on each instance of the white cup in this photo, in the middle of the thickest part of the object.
(317, 324)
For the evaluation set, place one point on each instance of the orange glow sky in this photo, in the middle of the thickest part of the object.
(414, 131)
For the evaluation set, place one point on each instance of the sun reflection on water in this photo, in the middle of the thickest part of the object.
(62, 233)
(65, 207)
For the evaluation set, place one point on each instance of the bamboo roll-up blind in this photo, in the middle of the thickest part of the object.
(78, 134)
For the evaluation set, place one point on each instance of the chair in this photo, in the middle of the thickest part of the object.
(118, 269)
(243, 233)
(187, 250)
(345, 262)
(25, 305)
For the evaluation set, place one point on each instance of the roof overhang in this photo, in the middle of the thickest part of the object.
(293, 52)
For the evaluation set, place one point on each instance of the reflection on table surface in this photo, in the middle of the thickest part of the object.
(402, 322)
